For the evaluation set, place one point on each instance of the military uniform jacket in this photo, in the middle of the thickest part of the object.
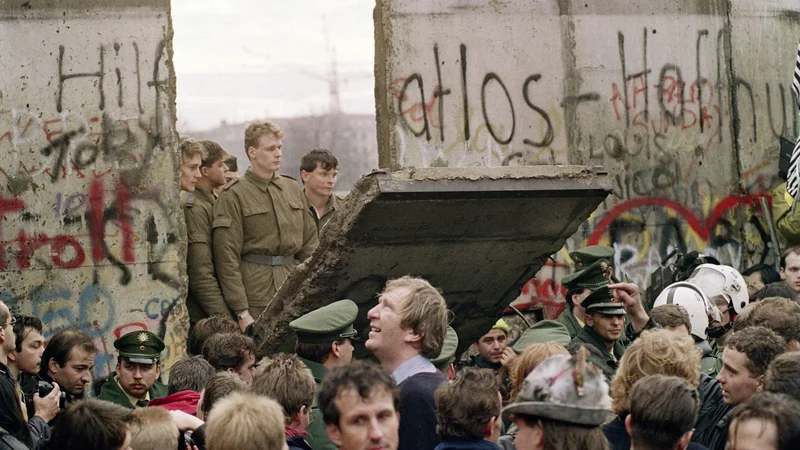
(111, 392)
(587, 335)
(317, 436)
(264, 217)
(567, 318)
(333, 205)
(205, 297)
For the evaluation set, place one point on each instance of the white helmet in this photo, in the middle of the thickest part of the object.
(716, 280)
(694, 301)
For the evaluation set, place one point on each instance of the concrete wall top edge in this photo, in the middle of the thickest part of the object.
(570, 7)
(29, 6)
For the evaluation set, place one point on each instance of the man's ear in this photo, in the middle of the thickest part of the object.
(488, 428)
(587, 319)
(794, 345)
(334, 434)
(304, 176)
(52, 366)
(335, 349)
(204, 171)
(783, 274)
(412, 337)
(760, 385)
(628, 424)
(12, 357)
(683, 443)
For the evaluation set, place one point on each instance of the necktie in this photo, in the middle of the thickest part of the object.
(142, 403)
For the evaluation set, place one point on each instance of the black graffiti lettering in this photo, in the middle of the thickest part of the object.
(60, 146)
(621, 46)
(62, 77)
(85, 154)
(425, 130)
(782, 131)
(464, 95)
(613, 147)
(549, 135)
(700, 79)
(489, 77)
(440, 91)
(736, 84)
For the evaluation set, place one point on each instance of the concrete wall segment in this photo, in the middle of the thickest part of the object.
(92, 229)
(682, 102)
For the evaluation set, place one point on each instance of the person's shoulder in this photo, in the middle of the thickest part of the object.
(230, 184)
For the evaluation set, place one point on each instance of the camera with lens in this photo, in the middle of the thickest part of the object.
(44, 389)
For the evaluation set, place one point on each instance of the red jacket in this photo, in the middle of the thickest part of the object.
(185, 401)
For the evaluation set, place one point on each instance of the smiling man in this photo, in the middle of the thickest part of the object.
(261, 228)
(359, 404)
(407, 329)
(135, 383)
(318, 170)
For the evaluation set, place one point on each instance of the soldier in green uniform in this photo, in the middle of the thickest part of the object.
(580, 285)
(323, 342)
(444, 362)
(135, 383)
(205, 297)
(606, 307)
(318, 170)
(261, 228)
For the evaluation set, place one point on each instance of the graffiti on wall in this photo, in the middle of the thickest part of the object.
(88, 225)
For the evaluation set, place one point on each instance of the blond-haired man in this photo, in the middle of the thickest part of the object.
(262, 229)
(246, 422)
(407, 329)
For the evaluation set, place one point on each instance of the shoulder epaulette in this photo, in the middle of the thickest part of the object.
(287, 176)
(229, 184)
(189, 201)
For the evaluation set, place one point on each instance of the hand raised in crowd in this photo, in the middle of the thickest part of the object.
(244, 322)
(628, 294)
(47, 407)
(508, 355)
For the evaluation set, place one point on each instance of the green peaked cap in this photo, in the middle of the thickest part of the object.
(143, 347)
(327, 324)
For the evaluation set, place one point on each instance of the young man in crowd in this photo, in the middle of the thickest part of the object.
(604, 320)
(359, 403)
(561, 405)
(790, 267)
(663, 413)
(468, 411)
(205, 328)
(285, 379)
(324, 341)
(318, 170)
(494, 353)
(93, 425)
(246, 422)
(262, 229)
(783, 375)
(204, 296)
(135, 382)
(187, 378)
(745, 359)
(407, 329)
(68, 360)
(231, 352)
(153, 429)
(192, 153)
(765, 421)
(580, 284)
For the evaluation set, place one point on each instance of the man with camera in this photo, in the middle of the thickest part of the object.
(41, 399)
(68, 361)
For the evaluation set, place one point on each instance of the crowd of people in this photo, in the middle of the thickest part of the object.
(712, 361)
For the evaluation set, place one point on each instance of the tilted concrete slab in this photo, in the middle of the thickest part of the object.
(477, 234)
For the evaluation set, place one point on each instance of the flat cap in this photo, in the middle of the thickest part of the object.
(448, 352)
(141, 347)
(541, 332)
(327, 324)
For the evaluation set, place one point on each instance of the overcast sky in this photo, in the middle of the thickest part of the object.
(236, 60)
